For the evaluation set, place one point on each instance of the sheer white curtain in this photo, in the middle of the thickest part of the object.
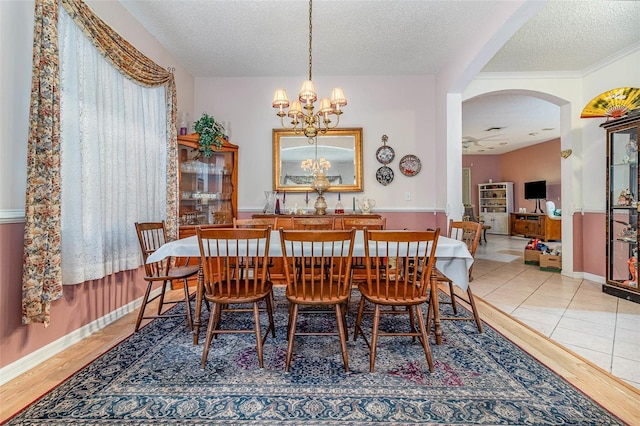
(113, 165)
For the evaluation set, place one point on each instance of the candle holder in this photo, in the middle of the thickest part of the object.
(320, 184)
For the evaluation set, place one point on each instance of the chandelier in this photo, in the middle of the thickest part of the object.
(303, 117)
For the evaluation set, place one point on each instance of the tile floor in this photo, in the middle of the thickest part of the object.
(573, 312)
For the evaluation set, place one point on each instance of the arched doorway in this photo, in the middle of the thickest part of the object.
(519, 108)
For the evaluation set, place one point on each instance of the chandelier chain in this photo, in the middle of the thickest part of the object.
(310, 38)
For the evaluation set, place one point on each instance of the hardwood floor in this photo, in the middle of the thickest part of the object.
(612, 393)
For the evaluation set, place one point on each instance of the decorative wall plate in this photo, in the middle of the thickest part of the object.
(410, 165)
(384, 175)
(615, 103)
(385, 154)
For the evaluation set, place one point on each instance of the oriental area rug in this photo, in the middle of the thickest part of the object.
(154, 378)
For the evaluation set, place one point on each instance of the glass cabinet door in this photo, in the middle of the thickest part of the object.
(623, 208)
(206, 187)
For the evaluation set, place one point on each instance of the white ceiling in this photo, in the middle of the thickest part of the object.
(252, 38)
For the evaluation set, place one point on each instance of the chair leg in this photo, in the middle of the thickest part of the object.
(453, 298)
(217, 313)
(359, 320)
(270, 309)
(289, 319)
(472, 302)
(374, 338)
(343, 337)
(412, 321)
(424, 338)
(430, 314)
(256, 319)
(292, 333)
(187, 302)
(162, 293)
(145, 301)
(210, 331)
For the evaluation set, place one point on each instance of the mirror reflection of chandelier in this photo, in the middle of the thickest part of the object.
(321, 165)
(308, 121)
(318, 169)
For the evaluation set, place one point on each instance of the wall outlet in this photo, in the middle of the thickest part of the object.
(407, 196)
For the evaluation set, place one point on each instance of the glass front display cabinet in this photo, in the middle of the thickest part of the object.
(207, 185)
(622, 207)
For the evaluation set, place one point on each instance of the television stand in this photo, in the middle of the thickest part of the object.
(538, 207)
(536, 225)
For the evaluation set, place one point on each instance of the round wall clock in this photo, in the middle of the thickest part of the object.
(385, 154)
(410, 165)
(384, 175)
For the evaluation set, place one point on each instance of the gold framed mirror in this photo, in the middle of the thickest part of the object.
(341, 147)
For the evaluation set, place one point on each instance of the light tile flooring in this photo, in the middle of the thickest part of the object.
(573, 312)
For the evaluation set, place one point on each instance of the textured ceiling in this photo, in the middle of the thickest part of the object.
(223, 38)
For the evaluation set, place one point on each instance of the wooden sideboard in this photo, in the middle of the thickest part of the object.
(536, 225)
(284, 221)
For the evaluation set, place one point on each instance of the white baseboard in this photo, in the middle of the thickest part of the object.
(36, 357)
(595, 278)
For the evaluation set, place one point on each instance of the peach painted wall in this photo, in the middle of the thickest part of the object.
(80, 304)
(483, 168)
(537, 162)
(589, 238)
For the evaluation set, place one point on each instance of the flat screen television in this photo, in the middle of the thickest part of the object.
(535, 190)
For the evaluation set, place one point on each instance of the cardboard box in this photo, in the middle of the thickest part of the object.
(531, 257)
(550, 263)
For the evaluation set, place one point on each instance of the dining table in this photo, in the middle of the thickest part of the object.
(452, 259)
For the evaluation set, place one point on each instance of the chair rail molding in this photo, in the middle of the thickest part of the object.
(12, 216)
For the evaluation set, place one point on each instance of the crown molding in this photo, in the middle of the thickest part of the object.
(612, 58)
(541, 75)
(561, 74)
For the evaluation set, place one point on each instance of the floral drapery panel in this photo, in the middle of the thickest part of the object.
(42, 276)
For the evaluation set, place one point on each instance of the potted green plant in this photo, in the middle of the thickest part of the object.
(211, 134)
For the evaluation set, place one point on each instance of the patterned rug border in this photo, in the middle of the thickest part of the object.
(263, 421)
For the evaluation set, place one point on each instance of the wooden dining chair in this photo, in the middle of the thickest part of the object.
(403, 280)
(222, 252)
(151, 236)
(317, 269)
(312, 224)
(257, 223)
(469, 233)
(358, 267)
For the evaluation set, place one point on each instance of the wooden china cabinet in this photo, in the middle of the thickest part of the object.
(622, 207)
(207, 187)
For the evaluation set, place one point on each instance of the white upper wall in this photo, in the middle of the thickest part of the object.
(16, 41)
(399, 107)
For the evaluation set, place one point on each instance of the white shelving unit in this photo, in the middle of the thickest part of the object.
(495, 201)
